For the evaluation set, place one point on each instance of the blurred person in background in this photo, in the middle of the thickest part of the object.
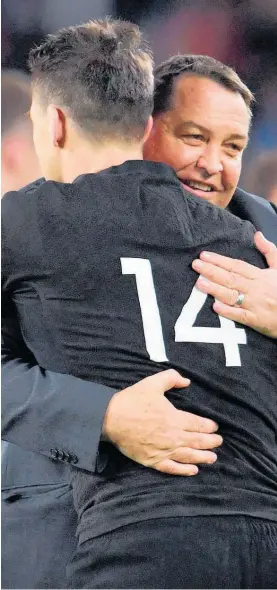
(261, 176)
(18, 160)
(264, 133)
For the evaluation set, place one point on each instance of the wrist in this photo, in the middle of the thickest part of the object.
(109, 422)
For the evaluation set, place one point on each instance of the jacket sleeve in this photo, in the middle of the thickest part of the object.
(51, 413)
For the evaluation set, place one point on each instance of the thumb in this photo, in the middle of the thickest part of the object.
(268, 249)
(161, 382)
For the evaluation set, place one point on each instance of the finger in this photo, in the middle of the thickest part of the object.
(268, 249)
(193, 423)
(163, 381)
(174, 468)
(200, 441)
(223, 294)
(237, 314)
(187, 455)
(228, 279)
(233, 265)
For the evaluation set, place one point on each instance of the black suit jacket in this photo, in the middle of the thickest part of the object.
(260, 212)
(43, 418)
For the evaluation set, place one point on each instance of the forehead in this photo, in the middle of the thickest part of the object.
(206, 102)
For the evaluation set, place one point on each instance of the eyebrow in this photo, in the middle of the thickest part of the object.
(206, 130)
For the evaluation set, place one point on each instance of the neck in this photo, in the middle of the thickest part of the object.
(87, 159)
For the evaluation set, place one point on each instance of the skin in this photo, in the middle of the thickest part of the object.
(147, 428)
(224, 278)
(202, 136)
(19, 163)
(65, 151)
(48, 128)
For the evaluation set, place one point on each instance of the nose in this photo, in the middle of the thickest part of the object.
(210, 161)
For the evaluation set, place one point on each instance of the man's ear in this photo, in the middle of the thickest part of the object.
(148, 129)
(57, 125)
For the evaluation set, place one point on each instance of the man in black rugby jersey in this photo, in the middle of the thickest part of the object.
(51, 418)
(112, 285)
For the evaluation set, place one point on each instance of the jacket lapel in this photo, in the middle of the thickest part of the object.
(261, 213)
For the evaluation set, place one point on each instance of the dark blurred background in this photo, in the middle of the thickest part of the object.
(242, 33)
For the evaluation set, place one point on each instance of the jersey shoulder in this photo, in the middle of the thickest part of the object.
(20, 203)
(32, 185)
(212, 222)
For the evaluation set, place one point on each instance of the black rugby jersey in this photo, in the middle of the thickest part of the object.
(100, 273)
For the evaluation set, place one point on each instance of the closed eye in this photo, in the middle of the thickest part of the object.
(234, 150)
(235, 147)
(193, 137)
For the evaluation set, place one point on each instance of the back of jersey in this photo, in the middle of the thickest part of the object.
(116, 299)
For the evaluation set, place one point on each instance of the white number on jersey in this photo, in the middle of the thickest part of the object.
(185, 331)
(228, 334)
(150, 313)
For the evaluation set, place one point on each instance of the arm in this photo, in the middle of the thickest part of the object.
(43, 410)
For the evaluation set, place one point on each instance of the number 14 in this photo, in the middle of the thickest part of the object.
(185, 331)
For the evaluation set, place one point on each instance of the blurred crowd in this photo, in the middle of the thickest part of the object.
(239, 33)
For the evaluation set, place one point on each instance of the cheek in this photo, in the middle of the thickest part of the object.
(37, 147)
(35, 137)
(38, 140)
(177, 155)
(162, 147)
(168, 154)
(232, 170)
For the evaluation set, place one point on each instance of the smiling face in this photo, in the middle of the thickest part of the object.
(202, 137)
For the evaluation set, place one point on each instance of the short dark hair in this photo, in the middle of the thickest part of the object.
(200, 65)
(102, 72)
(15, 99)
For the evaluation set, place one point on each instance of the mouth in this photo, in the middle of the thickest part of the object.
(201, 189)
